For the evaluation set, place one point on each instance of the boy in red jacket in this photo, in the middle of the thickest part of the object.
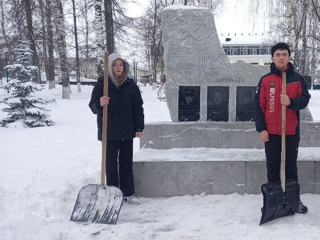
(269, 101)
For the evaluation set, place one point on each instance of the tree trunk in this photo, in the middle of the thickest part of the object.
(303, 62)
(43, 61)
(99, 26)
(3, 21)
(31, 36)
(62, 49)
(87, 29)
(290, 22)
(154, 51)
(77, 46)
(314, 50)
(316, 9)
(50, 71)
(108, 17)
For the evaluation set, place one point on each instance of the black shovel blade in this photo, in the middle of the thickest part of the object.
(277, 203)
(97, 204)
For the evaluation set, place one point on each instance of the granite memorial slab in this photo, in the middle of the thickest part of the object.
(194, 59)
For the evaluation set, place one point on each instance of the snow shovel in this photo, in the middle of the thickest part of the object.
(280, 200)
(99, 203)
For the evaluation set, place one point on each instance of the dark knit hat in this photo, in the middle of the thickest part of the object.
(280, 45)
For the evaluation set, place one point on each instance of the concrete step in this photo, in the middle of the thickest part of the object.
(192, 171)
(216, 135)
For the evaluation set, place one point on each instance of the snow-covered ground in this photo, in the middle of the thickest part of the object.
(43, 169)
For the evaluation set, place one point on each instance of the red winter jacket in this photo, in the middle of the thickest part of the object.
(268, 105)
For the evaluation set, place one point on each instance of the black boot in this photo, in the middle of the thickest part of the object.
(302, 208)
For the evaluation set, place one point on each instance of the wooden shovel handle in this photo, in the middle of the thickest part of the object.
(283, 136)
(104, 120)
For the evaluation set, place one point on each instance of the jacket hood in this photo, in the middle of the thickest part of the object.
(112, 58)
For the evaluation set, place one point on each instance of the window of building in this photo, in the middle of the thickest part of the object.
(247, 49)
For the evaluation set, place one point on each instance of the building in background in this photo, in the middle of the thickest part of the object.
(139, 74)
(250, 48)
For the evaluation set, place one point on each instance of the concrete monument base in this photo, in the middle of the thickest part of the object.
(214, 158)
(167, 173)
(216, 135)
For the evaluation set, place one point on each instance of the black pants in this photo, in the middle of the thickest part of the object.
(273, 156)
(121, 151)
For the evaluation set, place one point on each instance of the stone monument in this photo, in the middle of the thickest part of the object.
(202, 84)
(211, 105)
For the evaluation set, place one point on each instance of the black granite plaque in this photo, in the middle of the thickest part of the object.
(245, 107)
(189, 103)
(218, 104)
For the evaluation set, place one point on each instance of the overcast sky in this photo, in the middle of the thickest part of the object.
(234, 19)
(137, 9)
(238, 20)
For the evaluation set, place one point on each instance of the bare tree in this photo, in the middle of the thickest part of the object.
(3, 22)
(149, 27)
(31, 35)
(45, 41)
(215, 4)
(76, 45)
(43, 56)
(297, 23)
(86, 11)
(50, 68)
(155, 41)
(108, 16)
(316, 8)
(114, 29)
(290, 21)
(99, 31)
(62, 49)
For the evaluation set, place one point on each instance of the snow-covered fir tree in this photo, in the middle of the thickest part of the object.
(23, 106)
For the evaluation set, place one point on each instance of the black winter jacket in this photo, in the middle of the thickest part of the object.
(125, 111)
